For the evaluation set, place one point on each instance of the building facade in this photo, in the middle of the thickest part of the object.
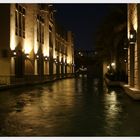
(134, 46)
(29, 45)
(133, 32)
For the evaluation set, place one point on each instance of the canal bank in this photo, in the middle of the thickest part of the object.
(130, 91)
(32, 82)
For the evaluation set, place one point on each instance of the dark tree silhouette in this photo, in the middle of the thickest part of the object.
(111, 39)
(112, 32)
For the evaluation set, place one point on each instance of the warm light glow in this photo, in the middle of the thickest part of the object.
(126, 85)
(131, 36)
(60, 59)
(12, 43)
(27, 47)
(14, 53)
(35, 49)
(134, 89)
(68, 61)
(108, 67)
(27, 56)
(113, 64)
(54, 57)
(125, 48)
(12, 66)
(46, 58)
(27, 50)
(45, 53)
(37, 56)
(135, 17)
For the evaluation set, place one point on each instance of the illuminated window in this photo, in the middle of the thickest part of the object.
(20, 21)
(40, 29)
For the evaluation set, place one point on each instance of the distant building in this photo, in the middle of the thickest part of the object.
(28, 45)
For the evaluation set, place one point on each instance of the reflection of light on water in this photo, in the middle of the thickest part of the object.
(112, 96)
(112, 110)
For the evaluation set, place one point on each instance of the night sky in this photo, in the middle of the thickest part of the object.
(83, 20)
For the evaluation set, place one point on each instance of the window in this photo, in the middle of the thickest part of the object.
(23, 25)
(40, 29)
(20, 21)
(42, 33)
(50, 39)
(16, 21)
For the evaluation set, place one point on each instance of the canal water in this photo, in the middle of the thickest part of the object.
(69, 107)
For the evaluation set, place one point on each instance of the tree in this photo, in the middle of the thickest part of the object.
(111, 38)
(111, 32)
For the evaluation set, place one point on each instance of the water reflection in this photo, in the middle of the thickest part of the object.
(71, 107)
(112, 111)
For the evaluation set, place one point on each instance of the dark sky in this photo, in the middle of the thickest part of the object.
(83, 20)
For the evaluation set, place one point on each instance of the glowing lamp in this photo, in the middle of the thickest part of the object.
(27, 55)
(46, 58)
(132, 38)
(14, 53)
(125, 60)
(37, 56)
(108, 67)
(113, 64)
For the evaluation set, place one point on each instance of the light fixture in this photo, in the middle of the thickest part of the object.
(112, 64)
(13, 53)
(55, 60)
(46, 58)
(37, 56)
(132, 38)
(108, 67)
(27, 55)
(125, 60)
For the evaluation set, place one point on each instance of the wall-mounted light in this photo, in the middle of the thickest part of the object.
(13, 53)
(108, 67)
(46, 58)
(37, 56)
(27, 55)
(55, 60)
(112, 64)
(125, 60)
(125, 48)
(132, 38)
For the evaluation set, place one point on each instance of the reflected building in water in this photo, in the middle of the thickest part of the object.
(33, 47)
